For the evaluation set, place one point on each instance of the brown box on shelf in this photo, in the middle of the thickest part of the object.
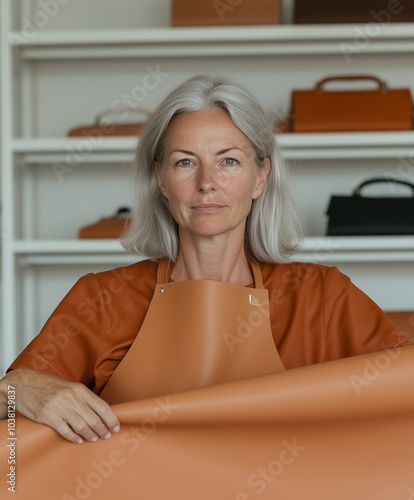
(224, 13)
(353, 11)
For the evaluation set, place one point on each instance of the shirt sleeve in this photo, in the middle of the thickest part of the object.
(353, 323)
(68, 344)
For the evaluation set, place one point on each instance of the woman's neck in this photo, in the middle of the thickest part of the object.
(214, 259)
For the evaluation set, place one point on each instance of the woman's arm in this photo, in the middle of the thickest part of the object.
(70, 408)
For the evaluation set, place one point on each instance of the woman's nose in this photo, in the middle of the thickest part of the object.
(207, 178)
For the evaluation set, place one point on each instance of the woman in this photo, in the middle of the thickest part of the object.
(212, 200)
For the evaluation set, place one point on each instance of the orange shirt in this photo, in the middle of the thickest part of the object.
(316, 315)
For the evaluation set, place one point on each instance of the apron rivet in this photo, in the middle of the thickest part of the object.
(161, 290)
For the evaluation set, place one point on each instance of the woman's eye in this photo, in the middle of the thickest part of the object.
(230, 162)
(184, 163)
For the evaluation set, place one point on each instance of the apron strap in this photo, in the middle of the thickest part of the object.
(257, 273)
(164, 267)
(162, 273)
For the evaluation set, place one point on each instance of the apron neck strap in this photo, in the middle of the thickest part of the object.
(164, 268)
(257, 273)
(163, 271)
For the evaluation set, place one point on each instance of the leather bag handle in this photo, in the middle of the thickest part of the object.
(377, 180)
(119, 110)
(381, 84)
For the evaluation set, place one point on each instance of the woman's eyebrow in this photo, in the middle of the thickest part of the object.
(221, 152)
(183, 151)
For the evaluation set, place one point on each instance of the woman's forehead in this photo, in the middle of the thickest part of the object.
(210, 125)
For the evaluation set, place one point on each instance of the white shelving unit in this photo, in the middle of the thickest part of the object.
(294, 147)
(23, 153)
(216, 42)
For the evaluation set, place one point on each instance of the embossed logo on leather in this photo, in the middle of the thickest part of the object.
(254, 301)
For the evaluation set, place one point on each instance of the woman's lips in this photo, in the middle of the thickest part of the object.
(207, 208)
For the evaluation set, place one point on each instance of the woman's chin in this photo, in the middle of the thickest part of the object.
(210, 229)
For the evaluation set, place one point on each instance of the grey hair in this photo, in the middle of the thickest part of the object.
(273, 228)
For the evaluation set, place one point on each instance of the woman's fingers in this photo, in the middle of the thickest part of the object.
(107, 421)
(70, 408)
(78, 414)
(66, 431)
(95, 418)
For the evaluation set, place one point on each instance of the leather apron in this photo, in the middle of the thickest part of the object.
(197, 333)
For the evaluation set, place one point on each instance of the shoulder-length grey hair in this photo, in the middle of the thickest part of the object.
(273, 229)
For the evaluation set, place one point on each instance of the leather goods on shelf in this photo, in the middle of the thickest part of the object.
(353, 11)
(105, 127)
(358, 215)
(227, 12)
(108, 227)
(338, 430)
(321, 110)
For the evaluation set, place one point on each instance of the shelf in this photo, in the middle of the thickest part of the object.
(220, 41)
(340, 249)
(312, 146)
(81, 246)
(58, 252)
(75, 150)
(322, 250)
(347, 145)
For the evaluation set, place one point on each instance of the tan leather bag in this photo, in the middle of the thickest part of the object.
(105, 127)
(322, 110)
(107, 227)
(227, 12)
(339, 430)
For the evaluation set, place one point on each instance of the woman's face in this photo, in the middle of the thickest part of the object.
(209, 175)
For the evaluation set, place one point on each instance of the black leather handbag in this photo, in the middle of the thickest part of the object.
(359, 215)
(353, 11)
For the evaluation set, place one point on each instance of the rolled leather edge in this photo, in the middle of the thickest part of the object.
(362, 386)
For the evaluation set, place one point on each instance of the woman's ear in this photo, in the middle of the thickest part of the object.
(261, 178)
(160, 180)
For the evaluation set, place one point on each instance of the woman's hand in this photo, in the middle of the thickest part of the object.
(70, 408)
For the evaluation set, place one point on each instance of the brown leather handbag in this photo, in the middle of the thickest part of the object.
(322, 110)
(107, 227)
(106, 127)
(353, 11)
(227, 12)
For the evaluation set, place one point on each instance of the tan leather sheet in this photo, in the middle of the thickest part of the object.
(338, 430)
